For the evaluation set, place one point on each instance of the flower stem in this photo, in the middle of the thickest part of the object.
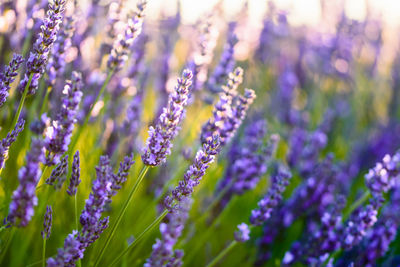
(21, 102)
(222, 254)
(122, 212)
(44, 253)
(140, 236)
(356, 204)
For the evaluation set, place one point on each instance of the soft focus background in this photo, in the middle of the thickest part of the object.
(325, 73)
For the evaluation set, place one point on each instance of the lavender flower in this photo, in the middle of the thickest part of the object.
(8, 77)
(6, 142)
(384, 175)
(58, 136)
(70, 253)
(48, 217)
(242, 235)
(38, 57)
(56, 64)
(196, 171)
(122, 174)
(119, 52)
(248, 161)
(24, 197)
(90, 219)
(362, 220)
(163, 253)
(226, 63)
(58, 175)
(223, 108)
(271, 199)
(202, 56)
(75, 175)
(158, 145)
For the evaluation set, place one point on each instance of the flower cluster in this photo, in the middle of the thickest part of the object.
(158, 145)
(75, 175)
(48, 218)
(58, 135)
(8, 77)
(6, 142)
(119, 52)
(37, 59)
(24, 198)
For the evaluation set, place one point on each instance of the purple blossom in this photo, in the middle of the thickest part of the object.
(59, 173)
(69, 254)
(195, 173)
(120, 50)
(24, 198)
(242, 235)
(58, 135)
(8, 77)
(226, 63)
(361, 221)
(6, 142)
(75, 175)
(48, 218)
(37, 60)
(248, 160)
(90, 219)
(56, 64)
(274, 195)
(158, 145)
(163, 253)
(203, 54)
(229, 110)
(383, 176)
(120, 178)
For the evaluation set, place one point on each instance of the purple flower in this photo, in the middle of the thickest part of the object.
(158, 145)
(75, 175)
(58, 135)
(48, 217)
(203, 54)
(242, 235)
(248, 160)
(163, 253)
(224, 120)
(119, 52)
(6, 142)
(361, 221)
(37, 60)
(8, 77)
(196, 171)
(59, 173)
(90, 219)
(69, 254)
(56, 64)
(383, 176)
(122, 174)
(24, 197)
(274, 195)
(226, 63)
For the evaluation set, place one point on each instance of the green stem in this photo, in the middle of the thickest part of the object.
(8, 242)
(45, 100)
(140, 236)
(356, 204)
(121, 214)
(222, 254)
(76, 212)
(87, 117)
(44, 252)
(21, 102)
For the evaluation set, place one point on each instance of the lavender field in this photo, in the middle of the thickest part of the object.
(130, 138)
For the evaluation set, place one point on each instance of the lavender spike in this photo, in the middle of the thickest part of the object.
(8, 77)
(76, 173)
(158, 145)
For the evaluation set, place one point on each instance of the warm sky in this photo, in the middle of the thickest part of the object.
(301, 11)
